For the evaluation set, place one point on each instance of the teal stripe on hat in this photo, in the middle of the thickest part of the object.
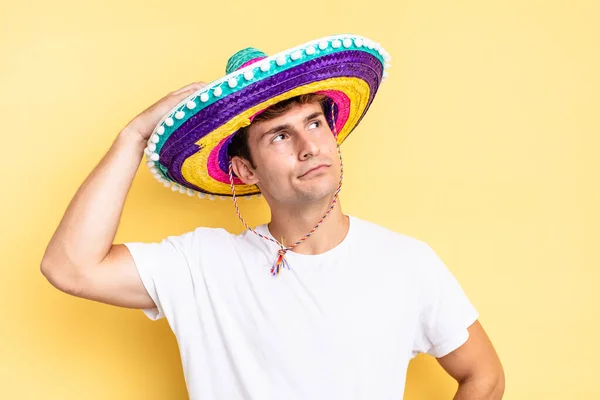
(241, 57)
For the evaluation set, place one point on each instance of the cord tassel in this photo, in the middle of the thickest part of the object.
(280, 263)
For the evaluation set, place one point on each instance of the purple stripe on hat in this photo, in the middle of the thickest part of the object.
(224, 156)
(348, 63)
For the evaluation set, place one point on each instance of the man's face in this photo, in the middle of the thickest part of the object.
(295, 155)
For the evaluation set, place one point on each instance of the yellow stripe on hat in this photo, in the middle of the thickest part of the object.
(194, 167)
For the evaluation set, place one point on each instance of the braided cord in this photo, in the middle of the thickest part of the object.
(280, 261)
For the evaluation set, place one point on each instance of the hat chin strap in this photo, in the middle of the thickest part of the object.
(280, 261)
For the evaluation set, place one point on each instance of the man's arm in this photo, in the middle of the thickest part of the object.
(476, 367)
(81, 258)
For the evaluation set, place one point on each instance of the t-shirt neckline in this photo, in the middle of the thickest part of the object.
(291, 254)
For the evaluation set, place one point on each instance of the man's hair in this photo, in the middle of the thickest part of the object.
(239, 143)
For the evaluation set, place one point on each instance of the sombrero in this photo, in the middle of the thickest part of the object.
(188, 147)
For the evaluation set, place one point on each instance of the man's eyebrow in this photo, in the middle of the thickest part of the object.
(313, 115)
(279, 128)
(276, 129)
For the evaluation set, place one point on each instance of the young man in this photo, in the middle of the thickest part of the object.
(315, 304)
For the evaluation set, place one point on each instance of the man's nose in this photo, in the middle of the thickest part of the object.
(308, 145)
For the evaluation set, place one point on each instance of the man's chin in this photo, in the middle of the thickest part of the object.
(317, 192)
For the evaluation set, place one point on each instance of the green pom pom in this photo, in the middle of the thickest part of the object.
(241, 57)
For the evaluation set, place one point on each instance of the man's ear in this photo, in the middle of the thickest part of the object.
(244, 171)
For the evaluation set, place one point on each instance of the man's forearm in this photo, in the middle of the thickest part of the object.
(88, 227)
(480, 389)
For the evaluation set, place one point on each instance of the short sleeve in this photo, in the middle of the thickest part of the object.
(165, 269)
(445, 310)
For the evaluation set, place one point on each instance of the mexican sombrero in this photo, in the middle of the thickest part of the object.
(188, 148)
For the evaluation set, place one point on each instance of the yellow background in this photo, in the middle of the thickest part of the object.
(483, 142)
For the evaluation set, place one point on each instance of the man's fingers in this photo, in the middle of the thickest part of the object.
(171, 100)
(147, 119)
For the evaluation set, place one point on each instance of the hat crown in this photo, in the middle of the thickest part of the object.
(242, 58)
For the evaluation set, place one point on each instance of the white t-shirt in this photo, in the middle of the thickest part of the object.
(339, 325)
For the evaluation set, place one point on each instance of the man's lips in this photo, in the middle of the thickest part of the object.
(319, 167)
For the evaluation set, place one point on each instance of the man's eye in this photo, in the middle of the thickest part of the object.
(279, 137)
(317, 123)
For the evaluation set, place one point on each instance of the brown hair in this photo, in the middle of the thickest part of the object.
(239, 143)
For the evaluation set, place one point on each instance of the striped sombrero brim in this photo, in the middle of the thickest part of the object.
(188, 149)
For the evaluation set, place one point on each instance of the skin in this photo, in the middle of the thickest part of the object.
(81, 258)
(286, 150)
(476, 367)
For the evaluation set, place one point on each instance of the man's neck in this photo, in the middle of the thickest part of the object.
(292, 225)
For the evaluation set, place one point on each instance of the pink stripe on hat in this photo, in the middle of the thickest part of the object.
(252, 62)
(214, 171)
(342, 102)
